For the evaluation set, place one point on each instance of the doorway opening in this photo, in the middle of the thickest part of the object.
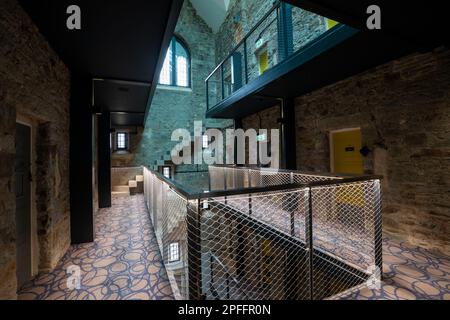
(345, 155)
(23, 191)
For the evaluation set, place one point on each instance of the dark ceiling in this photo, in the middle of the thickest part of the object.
(119, 40)
(422, 23)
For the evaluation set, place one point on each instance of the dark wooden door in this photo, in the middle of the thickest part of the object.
(23, 203)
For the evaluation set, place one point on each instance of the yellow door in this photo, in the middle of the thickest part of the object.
(348, 159)
(346, 146)
(263, 62)
(331, 23)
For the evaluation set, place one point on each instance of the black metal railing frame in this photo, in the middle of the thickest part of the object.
(195, 209)
(243, 43)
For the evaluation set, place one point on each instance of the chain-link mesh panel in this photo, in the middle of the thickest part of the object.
(227, 178)
(250, 248)
(312, 242)
(168, 211)
(344, 226)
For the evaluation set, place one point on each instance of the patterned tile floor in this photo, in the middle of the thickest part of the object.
(410, 273)
(124, 262)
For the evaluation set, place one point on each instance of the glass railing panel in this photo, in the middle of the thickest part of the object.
(280, 32)
(215, 88)
(262, 47)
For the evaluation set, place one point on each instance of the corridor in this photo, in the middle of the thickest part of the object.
(124, 262)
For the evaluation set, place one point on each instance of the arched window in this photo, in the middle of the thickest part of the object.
(176, 70)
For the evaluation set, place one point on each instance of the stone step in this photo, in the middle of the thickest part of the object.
(120, 194)
(132, 183)
(121, 189)
(139, 178)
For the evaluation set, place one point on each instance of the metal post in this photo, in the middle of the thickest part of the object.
(207, 94)
(225, 182)
(309, 242)
(223, 83)
(378, 228)
(285, 32)
(194, 250)
(245, 61)
(288, 134)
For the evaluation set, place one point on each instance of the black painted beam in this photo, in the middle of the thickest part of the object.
(81, 200)
(288, 137)
(104, 160)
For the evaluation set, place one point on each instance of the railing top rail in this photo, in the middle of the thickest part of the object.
(191, 194)
(269, 169)
(274, 7)
(182, 190)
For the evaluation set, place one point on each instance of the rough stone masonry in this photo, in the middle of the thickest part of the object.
(403, 110)
(34, 85)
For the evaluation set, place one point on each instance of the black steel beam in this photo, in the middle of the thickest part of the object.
(81, 191)
(104, 160)
(288, 135)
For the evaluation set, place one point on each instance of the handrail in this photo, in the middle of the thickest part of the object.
(274, 7)
(190, 194)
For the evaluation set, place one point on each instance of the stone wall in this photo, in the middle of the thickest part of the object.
(127, 158)
(242, 16)
(120, 176)
(34, 84)
(403, 110)
(173, 107)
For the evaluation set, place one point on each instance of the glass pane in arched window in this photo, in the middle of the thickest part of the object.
(182, 72)
(166, 71)
(176, 68)
(182, 65)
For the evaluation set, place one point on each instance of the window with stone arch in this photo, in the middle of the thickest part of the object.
(176, 70)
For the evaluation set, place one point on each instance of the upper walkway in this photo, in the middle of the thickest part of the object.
(289, 52)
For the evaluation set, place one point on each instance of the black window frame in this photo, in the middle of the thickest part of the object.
(173, 59)
(169, 252)
(126, 141)
(170, 171)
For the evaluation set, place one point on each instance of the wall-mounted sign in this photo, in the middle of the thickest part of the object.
(259, 43)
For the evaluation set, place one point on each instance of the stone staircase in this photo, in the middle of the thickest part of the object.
(135, 186)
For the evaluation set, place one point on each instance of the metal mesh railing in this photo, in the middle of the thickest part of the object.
(265, 234)
(168, 212)
(254, 238)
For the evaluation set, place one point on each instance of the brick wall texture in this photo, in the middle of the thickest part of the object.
(34, 83)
